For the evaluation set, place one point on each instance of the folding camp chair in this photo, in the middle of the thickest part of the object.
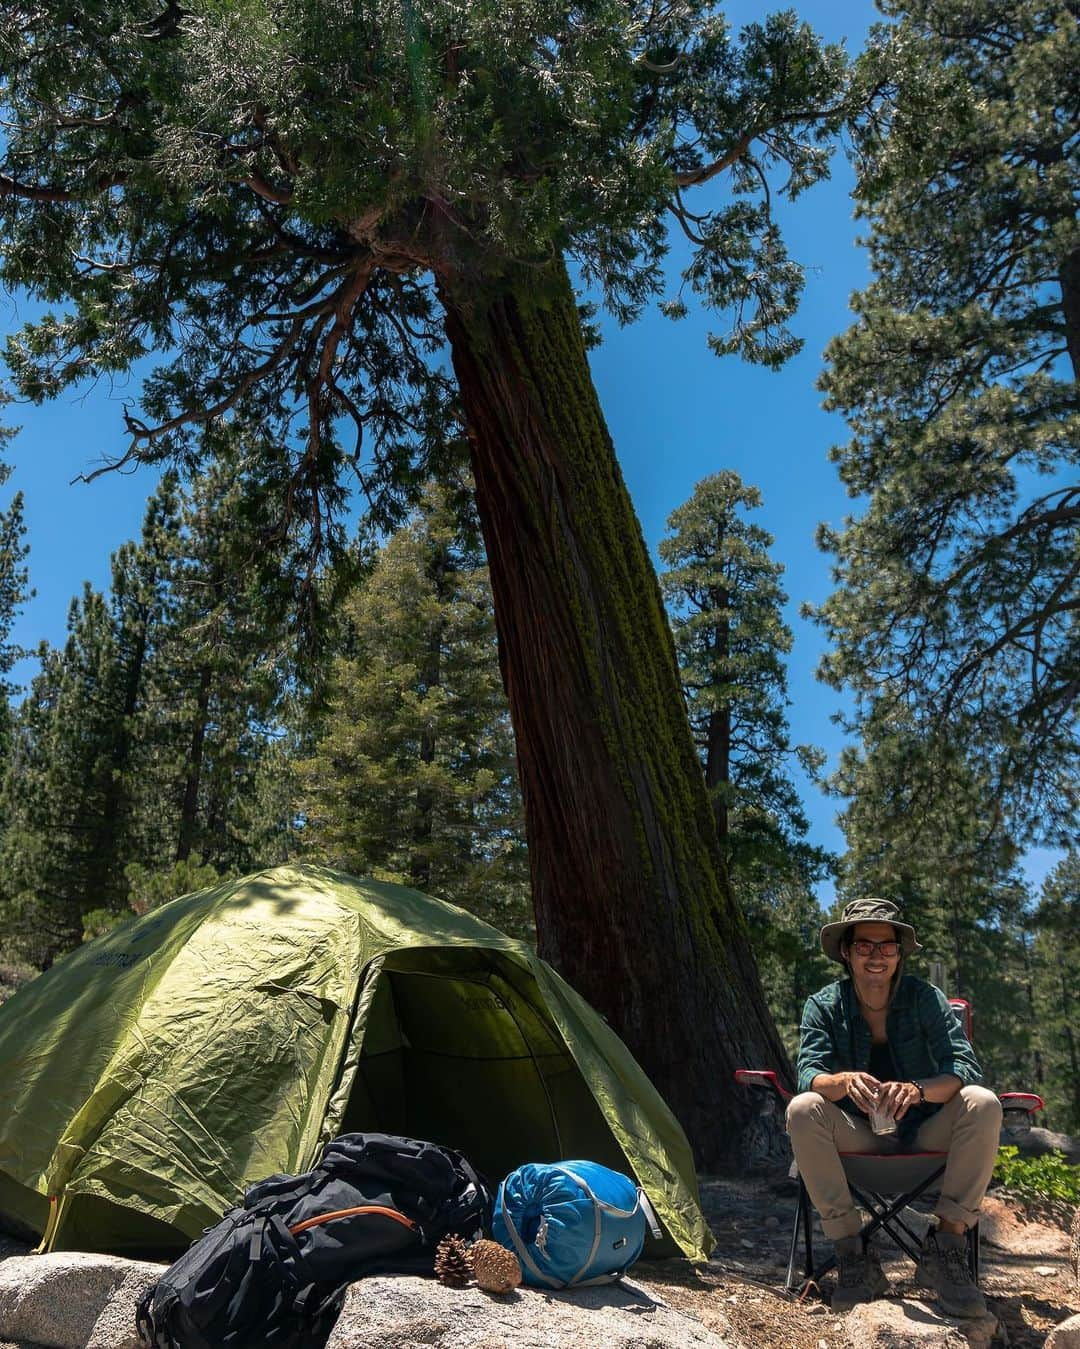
(886, 1183)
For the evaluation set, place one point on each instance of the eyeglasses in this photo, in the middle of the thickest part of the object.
(888, 949)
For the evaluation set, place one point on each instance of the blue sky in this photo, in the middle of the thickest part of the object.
(676, 412)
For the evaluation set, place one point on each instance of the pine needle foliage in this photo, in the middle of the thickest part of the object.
(259, 187)
(959, 579)
(726, 601)
(726, 605)
(413, 775)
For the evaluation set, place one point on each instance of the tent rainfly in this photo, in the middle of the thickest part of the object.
(151, 1075)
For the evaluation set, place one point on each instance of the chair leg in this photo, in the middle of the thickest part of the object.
(808, 1228)
(886, 1217)
(789, 1282)
(803, 1218)
(973, 1252)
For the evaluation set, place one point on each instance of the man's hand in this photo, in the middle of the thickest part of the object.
(897, 1098)
(862, 1089)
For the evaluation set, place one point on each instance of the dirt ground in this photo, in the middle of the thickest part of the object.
(1025, 1271)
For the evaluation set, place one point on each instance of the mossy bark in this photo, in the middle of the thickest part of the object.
(631, 902)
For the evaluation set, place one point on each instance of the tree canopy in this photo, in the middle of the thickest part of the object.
(264, 191)
(957, 610)
(292, 202)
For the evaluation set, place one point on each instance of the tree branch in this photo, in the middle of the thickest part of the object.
(257, 183)
(146, 435)
(9, 187)
(702, 175)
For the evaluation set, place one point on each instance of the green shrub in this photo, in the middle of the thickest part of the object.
(149, 889)
(1050, 1177)
(13, 974)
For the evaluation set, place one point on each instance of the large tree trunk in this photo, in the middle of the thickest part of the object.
(632, 906)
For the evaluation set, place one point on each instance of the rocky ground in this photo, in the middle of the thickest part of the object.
(1026, 1272)
(739, 1295)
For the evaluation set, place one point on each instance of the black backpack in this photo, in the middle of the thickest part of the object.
(274, 1272)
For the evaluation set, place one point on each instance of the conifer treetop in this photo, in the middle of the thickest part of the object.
(267, 190)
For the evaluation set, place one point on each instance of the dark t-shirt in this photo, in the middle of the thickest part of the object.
(881, 1063)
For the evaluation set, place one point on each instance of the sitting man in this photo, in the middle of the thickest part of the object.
(883, 1040)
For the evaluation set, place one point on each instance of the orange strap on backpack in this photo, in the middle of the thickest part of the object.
(349, 1213)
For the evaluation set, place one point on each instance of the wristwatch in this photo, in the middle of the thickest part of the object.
(921, 1089)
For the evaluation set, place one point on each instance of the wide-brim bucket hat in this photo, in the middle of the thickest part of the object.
(868, 910)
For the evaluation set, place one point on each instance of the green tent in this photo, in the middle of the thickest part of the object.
(152, 1074)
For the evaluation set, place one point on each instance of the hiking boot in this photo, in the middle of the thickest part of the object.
(943, 1266)
(860, 1277)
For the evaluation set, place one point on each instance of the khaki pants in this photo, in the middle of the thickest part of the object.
(967, 1127)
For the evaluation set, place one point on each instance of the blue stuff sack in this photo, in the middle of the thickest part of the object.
(572, 1223)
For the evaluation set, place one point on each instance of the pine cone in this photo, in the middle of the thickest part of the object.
(452, 1265)
(496, 1269)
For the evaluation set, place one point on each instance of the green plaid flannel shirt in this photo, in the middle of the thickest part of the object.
(925, 1037)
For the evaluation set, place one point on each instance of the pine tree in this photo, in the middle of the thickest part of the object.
(223, 665)
(14, 593)
(72, 784)
(924, 829)
(58, 859)
(146, 760)
(299, 202)
(413, 777)
(1056, 1004)
(25, 844)
(137, 600)
(216, 778)
(959, 582)
(725, 603)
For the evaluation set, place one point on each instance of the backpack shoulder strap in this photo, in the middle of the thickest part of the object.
(321, 1218)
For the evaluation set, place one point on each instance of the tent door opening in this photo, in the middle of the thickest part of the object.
(455, 1051)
